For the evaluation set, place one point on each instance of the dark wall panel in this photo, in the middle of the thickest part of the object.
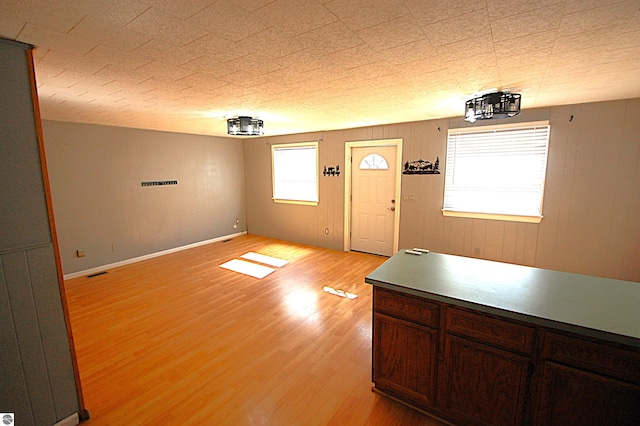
(25, 319)
(23, 216)
(14, 396)
(46, 296)
(36, 371)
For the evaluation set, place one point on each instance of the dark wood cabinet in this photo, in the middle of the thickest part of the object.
(601, 380)
(405, 349)
(573, 397)
(482, 385)
(474, 368)
(485, 368)
(407, 368)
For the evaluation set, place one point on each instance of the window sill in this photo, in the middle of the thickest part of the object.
(298, 202)
(493, 216)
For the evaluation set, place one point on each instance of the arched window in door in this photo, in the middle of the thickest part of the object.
(374, 162)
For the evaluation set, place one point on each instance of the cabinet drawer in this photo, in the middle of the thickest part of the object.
(489, 330)
(591, 355)
(404, 306)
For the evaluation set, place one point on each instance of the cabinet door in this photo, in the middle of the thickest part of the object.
(569, 396)
(404, 359)
(482, 385)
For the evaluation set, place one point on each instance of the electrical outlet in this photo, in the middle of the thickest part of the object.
(476, 252)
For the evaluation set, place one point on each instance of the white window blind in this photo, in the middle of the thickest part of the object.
(497, 170)
(295, 173)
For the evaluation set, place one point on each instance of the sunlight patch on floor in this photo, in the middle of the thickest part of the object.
(247, 268)
(267, 260)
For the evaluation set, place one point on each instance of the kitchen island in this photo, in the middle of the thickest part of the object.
(480, 342)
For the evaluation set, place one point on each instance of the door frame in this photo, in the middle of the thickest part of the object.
(348, 150)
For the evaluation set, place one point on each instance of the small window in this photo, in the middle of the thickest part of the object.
(374, 162)
(295, 173)
(497, 172)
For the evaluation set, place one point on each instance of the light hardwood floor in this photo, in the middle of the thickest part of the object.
(179, 340)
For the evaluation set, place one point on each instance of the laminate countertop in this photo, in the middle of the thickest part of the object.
(596, 307)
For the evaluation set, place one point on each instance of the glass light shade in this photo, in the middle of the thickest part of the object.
(492, 105)
(245, 126)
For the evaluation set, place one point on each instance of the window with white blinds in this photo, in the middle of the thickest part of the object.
(295, 173)
(497, 172)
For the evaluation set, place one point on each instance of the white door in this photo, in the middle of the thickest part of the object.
(373, 204)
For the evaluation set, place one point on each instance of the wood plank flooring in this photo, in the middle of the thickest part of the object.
(179, 340)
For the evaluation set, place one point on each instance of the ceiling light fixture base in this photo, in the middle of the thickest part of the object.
(245, 126)
(492, 105)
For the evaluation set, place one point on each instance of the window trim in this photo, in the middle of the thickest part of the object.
(500, 216)
(274, 147)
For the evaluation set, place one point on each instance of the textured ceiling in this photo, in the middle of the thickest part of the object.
(307, 65)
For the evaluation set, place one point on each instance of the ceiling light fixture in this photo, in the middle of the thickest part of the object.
(492, 105)
(245, 126)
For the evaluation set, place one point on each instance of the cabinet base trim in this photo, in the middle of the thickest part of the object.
(407, 404)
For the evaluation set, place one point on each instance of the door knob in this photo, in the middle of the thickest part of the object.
(391, 208)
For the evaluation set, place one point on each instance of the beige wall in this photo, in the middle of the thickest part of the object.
(591, 209)
(101, 208)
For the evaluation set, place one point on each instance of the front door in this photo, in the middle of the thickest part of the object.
(373, 205)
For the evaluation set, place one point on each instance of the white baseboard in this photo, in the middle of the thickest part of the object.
(148, 256)
(72, 420)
